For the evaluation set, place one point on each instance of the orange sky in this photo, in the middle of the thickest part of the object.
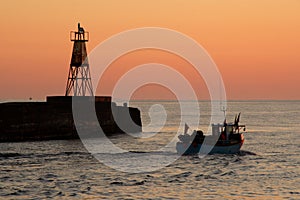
(255, 43)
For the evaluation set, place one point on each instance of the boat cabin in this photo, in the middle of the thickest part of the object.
(226, 130)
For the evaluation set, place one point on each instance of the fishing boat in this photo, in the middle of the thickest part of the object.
(226, 138)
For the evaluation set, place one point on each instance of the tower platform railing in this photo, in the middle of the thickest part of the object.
(79, 36)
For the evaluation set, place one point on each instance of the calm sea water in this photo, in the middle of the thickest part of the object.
(266, 168)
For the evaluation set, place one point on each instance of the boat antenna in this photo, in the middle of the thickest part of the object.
(222, 107)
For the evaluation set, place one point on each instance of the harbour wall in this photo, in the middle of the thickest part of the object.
(53, 119)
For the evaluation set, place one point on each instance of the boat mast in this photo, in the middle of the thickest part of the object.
(222, 107)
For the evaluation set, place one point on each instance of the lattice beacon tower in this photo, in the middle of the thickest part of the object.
(79, 79)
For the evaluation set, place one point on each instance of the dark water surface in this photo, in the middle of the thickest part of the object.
(266, 168)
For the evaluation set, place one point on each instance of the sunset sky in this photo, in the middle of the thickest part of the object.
(255, 44)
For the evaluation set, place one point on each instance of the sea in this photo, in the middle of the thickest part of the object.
(146, 166)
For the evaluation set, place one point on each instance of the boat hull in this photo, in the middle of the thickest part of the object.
(183, 149)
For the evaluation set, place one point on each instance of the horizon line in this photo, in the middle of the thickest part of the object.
(144, 100)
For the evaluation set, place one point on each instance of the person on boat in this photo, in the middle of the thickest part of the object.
(223, 133)
(198, 136)
(223, 136)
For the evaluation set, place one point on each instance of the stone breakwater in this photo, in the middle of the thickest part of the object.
(53, 119)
